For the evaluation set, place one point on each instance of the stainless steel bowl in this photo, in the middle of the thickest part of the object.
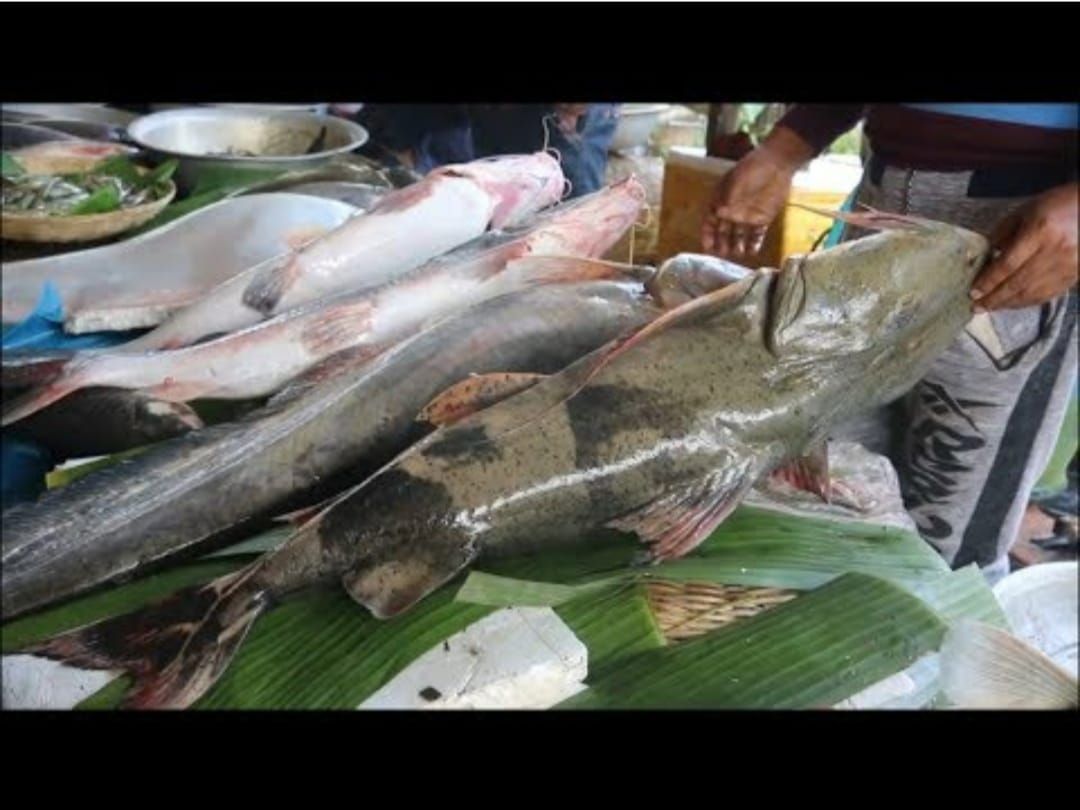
(637, 122)
(94, 113)
(202, 137)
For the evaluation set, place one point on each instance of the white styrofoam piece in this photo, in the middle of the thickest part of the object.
(515, 658)
(144, 278)
(1040, 603)
(38, 683)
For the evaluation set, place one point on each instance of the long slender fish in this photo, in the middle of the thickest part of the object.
(408, 227)
(659, 434)
(139, 282)
(259, 360)
(313, 441)
(102, 421)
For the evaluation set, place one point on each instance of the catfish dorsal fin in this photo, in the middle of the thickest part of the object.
(676, 523)
(474, 393)
(871, 219)
(686, 313)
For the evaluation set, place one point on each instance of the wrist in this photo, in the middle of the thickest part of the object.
(786, 150)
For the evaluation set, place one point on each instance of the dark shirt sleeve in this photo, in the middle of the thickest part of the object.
(821, 124)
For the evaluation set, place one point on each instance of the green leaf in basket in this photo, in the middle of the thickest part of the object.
(11, 167)
(102, 201)
(809, 653)
(159, 175)
(117, 166)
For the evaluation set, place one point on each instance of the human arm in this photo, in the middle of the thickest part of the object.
(749, 197)
(1036, 258)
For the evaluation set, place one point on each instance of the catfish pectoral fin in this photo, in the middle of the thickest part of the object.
(473, 394)
(809, 473)
(389, 587)
(265, 291)
(676, 523)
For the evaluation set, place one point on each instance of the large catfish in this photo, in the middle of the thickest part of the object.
(314, 440)
(659, 434)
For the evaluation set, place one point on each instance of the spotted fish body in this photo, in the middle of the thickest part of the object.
(313, 442)
(658, 434)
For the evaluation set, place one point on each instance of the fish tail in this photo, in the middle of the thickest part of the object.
(175, 649)
(65, 380)
(33, 371)
(270, 284)
(983, 667)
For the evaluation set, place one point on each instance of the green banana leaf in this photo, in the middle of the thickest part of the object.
(811, 652)
(321, 650)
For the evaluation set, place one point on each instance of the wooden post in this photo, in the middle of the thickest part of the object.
(723, 120)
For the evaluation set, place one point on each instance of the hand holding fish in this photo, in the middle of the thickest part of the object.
(748, 198)
(1037, 258)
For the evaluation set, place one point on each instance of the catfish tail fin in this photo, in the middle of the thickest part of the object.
(175, 649)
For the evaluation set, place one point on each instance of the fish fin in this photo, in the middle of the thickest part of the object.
(184, 413)
(337, 327)
(334, 366)
(870, 219)
(529, 270)
(175, 649)
(689, 313)
(265, 290)
(36, 399)
(20, 370)
(983, 667)
(809, 472)
(676, 523)
(390, 587)
(299, 517)
(473, 394)
(981, 329)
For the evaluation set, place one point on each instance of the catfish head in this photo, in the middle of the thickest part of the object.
(905, 287)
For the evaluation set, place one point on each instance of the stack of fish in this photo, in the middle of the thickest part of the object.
(457, 374)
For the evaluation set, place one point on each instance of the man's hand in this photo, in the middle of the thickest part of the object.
(1038, 254)
(567, 116)
(748, 198)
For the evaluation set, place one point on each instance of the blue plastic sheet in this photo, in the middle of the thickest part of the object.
(24, 463)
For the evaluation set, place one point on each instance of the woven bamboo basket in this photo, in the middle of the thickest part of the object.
(40, 227)
(686, 610)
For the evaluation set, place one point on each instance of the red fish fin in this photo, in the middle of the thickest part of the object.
(473, 394)
(299, 517)
(336, 365)
(567, 269)
(809, 473)
(390, 587)
(36, 399)
(264, 292)
(676, 523)
(21, 370)
(337, 327)
(870, 219)
(175, 649)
